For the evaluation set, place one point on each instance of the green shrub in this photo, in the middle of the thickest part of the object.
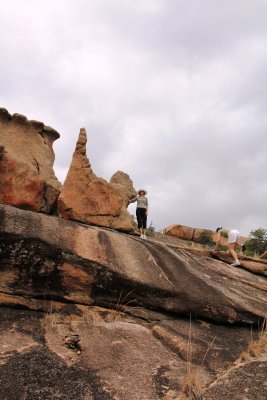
(257, 242)
(205, 238)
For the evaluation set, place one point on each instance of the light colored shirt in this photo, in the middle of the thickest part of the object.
(224, 232)
(142, 201)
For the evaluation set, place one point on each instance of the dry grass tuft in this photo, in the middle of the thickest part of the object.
(190, 386)
(52, 319)
(244, 356)
(256, 347)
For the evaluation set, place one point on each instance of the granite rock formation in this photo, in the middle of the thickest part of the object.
(155, 319)
(82, 264)
(27, 179)
(180, 231)
(148, 314)
(92, 200)
(123, 185)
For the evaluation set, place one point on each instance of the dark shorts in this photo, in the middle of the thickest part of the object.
(141, 217)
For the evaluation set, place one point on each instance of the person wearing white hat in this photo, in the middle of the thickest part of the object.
(141, 211)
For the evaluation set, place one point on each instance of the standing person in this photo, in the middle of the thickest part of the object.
(141, 211)
(233, 236)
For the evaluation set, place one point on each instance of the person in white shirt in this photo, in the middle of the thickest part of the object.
(141, 211)
(233, 236)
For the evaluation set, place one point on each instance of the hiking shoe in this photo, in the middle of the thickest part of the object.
(236, 263)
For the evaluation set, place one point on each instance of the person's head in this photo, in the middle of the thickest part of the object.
(217, 230)
(142, 192)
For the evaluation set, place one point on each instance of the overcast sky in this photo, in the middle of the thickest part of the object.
(173, 92)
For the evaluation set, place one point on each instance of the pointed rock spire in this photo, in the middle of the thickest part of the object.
(90, 199)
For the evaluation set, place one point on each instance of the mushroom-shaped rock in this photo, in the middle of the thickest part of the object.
(27, 179)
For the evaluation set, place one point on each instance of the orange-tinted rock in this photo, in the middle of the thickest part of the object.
(123, 185)
(90, 199)
(27, 179)
(180, 231)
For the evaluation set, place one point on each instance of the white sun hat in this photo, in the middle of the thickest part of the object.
(142, 190)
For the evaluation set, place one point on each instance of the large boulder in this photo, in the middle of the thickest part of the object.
(202, 235)
(180, 231)
(27, 179)
(123, 184)
(87, 198)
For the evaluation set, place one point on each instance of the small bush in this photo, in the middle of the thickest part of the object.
(206, 239)
(257, 242)
(151, 230)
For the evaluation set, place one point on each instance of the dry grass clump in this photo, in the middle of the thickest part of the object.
(256, 347)
(190, 388)
(51, 319)
(191, 385)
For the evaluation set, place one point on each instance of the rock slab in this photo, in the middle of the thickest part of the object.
(45, 256)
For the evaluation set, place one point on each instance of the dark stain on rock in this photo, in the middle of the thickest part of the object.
(162, 383)
(70, 309)
(40, 374)
(112, 289)
(104, 240)
(36, 264)
(25, 321)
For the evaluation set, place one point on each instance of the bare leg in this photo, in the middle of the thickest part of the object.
(232, 247)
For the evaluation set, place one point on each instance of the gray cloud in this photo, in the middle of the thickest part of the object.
(172, 92)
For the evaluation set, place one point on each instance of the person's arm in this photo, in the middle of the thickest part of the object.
(217, 241)
(133, 199)
(146, 206)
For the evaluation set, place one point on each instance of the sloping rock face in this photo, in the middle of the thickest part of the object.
(122, 357)
(81, 264)
(92, 200)
(149, 315)
(27, 179)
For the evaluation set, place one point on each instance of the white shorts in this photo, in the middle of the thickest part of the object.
(233, 236)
